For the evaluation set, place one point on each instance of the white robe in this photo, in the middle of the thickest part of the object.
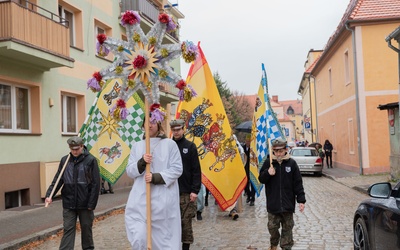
(165, 210)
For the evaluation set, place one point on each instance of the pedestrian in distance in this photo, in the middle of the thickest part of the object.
(328, 148)
(165, 169)
(200, 202)
(189, 181)
(80, 182)
(283, 187)
(249, 190)
(103, 189)
(321, 153)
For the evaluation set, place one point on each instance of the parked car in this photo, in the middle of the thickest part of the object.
(376, 223)
(307, 159)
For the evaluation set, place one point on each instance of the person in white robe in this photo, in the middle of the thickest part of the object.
(166, 167)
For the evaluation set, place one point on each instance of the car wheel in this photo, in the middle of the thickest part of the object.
(361, 239)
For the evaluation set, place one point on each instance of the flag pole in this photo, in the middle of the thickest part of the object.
(148, 194)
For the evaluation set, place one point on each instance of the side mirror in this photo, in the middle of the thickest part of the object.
(380, 190)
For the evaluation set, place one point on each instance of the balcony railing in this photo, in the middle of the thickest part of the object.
(147, 9)
(36, 28)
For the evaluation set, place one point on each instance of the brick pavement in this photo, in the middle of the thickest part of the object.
(218, 231)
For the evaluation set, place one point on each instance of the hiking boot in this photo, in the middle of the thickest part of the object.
(185, 246)
(199, 216)
(273, 248)
(251, 203)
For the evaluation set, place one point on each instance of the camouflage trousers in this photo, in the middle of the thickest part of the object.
(274, 223)
(188, 211)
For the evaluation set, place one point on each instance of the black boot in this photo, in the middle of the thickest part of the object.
(185, 246)
(199, 216)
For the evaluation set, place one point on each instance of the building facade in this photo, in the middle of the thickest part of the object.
(47, 54)
(355, 73)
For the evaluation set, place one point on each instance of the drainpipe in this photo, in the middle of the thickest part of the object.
(353, 41)
(389, 41)
(316, 109)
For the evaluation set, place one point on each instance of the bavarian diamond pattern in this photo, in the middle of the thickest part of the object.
(90, 134)
(131, 130)
(261, 138)
(273, 130)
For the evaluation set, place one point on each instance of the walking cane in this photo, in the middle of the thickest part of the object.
(58, 180)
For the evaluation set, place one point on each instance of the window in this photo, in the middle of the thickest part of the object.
(74, 17)
(102, 28)
(14, 108)
(68, 16)
(290, 111)
(69, 114)
(346, 68)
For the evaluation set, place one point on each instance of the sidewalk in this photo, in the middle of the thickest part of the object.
(21, 226)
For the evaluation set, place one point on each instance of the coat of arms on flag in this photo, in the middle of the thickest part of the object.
(108, 139)
(208, 127)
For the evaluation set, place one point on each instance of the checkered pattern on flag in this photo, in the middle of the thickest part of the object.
(110, 140)
(208, 127)
(273, 129)
(266, 126)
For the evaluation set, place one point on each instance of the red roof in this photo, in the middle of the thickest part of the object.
(375, 9)
(365, 10)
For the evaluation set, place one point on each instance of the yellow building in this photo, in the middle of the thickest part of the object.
(307, 92)
(354, 75)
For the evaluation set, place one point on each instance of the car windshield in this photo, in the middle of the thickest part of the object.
(304, 152)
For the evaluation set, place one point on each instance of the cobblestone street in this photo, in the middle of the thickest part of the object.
(325, 224)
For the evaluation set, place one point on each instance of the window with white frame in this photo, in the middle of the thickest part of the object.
(346, 68)
(14, 108)
(69, 114)
(68, 16)
(102, 28)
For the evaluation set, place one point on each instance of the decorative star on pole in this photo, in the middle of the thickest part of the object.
(142, 63)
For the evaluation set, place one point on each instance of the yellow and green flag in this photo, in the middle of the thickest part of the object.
(208, 127)
(110, 140)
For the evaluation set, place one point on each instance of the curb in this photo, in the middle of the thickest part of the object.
(45, 234)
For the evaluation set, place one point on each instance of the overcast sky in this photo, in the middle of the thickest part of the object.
(237, 36)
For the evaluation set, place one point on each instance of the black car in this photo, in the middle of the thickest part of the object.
(376, 223)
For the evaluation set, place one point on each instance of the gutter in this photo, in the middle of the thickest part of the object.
(353, 41)
(316, 104)
(395, 34)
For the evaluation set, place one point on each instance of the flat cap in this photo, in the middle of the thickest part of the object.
(177, 122)
(278, 143)
(75, 142)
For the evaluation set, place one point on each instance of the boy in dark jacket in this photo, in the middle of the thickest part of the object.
(283, 186)
(80, 193)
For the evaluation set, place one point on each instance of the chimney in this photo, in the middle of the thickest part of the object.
(275, 98)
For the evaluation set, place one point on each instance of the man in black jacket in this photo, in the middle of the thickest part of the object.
(81, 180)
(189, 181)
(283, 186)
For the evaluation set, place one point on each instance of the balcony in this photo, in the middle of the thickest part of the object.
(34, 36)
(150, 10)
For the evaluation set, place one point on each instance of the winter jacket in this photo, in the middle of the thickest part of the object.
(285, 187)
(190, 180)
(81, 180)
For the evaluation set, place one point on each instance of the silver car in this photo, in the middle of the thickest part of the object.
(307, 159)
